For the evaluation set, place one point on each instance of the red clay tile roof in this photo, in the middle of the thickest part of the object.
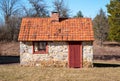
(44, 29)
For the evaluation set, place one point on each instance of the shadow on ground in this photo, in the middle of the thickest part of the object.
(112, 44)
(105, 65)
(9, 59)
(107, 57)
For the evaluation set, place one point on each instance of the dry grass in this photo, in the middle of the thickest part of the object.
(110, 51)
(9, 48)
(18, 73)
(108, 48)
(107, 61)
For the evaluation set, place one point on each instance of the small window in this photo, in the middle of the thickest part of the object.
(39, 47)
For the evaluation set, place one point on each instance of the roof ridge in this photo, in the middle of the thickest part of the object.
(50, 18)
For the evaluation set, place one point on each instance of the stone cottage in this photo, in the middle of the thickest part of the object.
(57, 42)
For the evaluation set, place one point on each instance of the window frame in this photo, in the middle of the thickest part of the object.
(40, 51)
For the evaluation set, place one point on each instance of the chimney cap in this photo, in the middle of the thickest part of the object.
(54, 12)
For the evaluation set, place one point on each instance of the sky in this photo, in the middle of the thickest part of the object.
(89, 8)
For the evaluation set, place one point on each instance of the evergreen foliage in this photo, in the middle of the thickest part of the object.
(114, 20)
(79, 14)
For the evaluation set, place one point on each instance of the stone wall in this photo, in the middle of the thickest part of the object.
(57, 55)
(87, 54)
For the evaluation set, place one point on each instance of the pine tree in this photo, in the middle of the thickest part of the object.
(79, 14)
(114, 20)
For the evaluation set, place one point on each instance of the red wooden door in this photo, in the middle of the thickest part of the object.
(75, 55)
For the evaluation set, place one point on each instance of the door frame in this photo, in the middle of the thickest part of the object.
(81, 53)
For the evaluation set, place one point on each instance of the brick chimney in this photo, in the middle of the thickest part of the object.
(55, 16)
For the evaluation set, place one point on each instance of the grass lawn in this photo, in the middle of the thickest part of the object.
(16, 72)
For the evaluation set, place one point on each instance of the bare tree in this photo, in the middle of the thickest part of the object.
(101, 27)
(8, 8)
(60, 7)
(14, 27)
(27, 11)
(39, 8)
(10, 32)
(10, 11)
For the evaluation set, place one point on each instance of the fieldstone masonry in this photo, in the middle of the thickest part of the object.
(57, 55)
(87, 54)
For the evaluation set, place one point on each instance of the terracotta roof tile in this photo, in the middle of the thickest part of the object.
(44, 29)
